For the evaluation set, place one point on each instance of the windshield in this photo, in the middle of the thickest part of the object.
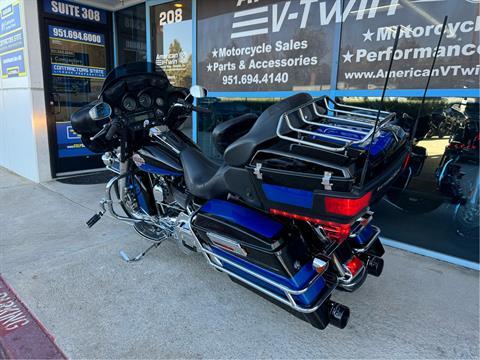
(136, 68)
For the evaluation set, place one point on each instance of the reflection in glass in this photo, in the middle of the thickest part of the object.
(437, 206)
(131, 34)
(172, 40)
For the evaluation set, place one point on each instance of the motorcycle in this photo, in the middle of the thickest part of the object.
(446, 122)
(285, 214)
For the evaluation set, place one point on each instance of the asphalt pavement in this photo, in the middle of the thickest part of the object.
(172, 305)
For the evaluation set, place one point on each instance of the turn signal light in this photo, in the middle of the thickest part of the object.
(347, 207)
(334, 231)
(354, 265)
(320, 265)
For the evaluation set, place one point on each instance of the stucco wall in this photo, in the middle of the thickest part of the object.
(23, 126)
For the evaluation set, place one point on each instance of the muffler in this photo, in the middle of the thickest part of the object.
(374, 265)
(338, 314)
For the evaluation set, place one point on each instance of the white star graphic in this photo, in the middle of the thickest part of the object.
(407, 30)
(214, 53)
(368, 35)
(347, 57)
(209, 67)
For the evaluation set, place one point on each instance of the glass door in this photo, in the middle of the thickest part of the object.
(76, 67)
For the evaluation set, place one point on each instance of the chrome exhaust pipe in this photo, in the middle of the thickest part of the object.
(338, 314)
(374, 265)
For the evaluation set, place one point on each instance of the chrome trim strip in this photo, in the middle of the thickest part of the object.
(214, 260)
(369, 244)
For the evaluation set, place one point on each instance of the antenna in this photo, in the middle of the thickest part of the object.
(395, 45)
(420, 109)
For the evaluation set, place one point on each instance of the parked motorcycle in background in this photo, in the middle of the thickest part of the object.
(460, 162)
(286, 213)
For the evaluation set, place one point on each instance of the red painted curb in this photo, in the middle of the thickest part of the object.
(22, 335)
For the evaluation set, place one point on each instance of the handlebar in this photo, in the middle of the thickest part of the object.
(114, 127)
(111, 129)
(200, 109)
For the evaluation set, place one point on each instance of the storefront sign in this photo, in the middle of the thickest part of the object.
(78, 71)
(58, 32)
(12, 58)
(10, 18)
(11, 41)
(172, 45)
(13, 64)
(75, 10)
(367, 47)
(68, 141)
(265, 45)
(73, 63)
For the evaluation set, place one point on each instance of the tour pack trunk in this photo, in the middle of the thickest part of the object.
(324, 165)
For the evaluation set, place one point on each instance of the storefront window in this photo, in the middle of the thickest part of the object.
(172, 40)
(437, 207)
(131, 34)
(263, 46)
(223, 109)
(367, 46)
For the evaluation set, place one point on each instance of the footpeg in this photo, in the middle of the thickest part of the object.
(94, 219)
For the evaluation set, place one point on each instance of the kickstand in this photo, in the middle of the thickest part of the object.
(141, 255)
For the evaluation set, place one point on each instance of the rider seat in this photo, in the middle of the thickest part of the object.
(264, 130)
(228, 131)
(205, 178)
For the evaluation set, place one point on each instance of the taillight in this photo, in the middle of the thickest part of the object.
(294, 216)
(347, 207)
(354, 265)
(406, 162)
(334, 231)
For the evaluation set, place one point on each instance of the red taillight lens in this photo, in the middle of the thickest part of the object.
(333, 230)
(294, 216)
(336, 231)
(347, 207)
(354, 265)
(406, 161)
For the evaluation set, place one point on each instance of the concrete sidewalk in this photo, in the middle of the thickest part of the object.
(172, 305)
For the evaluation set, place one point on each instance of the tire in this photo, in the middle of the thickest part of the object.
(467, 221)
(412, 204)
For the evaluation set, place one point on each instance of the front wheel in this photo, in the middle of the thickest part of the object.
(136, 202)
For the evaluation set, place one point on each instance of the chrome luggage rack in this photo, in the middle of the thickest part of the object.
(355, 120)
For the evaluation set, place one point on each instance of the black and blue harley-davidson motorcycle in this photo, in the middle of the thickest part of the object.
(286, 213)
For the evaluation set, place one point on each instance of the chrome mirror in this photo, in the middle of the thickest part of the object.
(100, 111)
(198, 91)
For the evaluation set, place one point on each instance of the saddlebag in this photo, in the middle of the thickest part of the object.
(264, 255)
